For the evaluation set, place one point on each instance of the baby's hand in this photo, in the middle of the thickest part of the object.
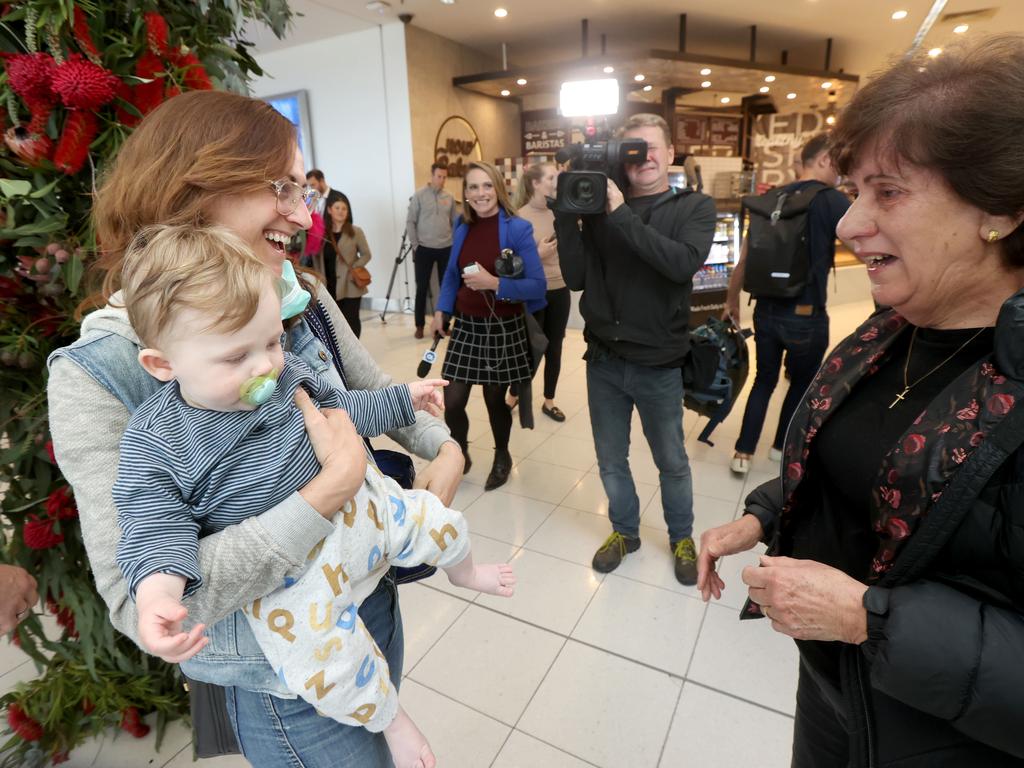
(427, 395)
(407, 744)
(161, 633)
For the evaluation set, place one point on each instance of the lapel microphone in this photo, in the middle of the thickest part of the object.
(428, 358)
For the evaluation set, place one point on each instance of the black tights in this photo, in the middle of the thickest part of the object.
(456, 396)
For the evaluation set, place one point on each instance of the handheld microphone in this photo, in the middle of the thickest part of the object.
(428, 359)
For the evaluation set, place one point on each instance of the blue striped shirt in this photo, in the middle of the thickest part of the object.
(186, 472)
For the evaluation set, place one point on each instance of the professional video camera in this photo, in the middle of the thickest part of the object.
(584, 188)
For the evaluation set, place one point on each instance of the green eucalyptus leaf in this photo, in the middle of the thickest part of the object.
(15, 187)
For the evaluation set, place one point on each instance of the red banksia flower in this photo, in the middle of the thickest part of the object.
(73, 148)
(84, 85)
(22, 724)
(39, 534)
(31, 77)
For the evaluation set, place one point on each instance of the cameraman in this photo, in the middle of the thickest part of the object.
(635, 267)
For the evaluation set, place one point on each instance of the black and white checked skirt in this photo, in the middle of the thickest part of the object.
(487, 351)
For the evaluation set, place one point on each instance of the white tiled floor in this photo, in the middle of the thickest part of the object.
(629, 670)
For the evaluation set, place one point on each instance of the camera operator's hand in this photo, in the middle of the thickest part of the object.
(481, 280)
(615, 198)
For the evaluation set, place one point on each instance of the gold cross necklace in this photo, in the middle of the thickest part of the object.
(906, 366)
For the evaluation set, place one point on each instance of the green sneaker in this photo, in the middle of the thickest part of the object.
(615, 547)
(685, 555)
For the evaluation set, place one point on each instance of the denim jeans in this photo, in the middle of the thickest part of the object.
(804, 340)
(614, 386)
(288, 733)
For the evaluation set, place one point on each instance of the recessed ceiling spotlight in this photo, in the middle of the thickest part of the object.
(831, 119)
(770, 79)
(506, 92)
(827, 85)
(608, 70)
(790, 96)
(521, 81)
(379, 6)
(705, 71)
(725, 99)
(899, 15)
(764, 89)
(648, 88)
(501, 13)
(706, 84)
(639, 78)
(447, 2)
(959, 29)
(934, 52)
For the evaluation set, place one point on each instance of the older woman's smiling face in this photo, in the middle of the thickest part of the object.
(924, 246)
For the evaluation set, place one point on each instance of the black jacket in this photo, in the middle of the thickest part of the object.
(636, 278)
(940, 680)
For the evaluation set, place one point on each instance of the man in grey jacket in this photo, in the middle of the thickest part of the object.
(432, 214)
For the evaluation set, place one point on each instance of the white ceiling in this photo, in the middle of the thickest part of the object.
(540, 32)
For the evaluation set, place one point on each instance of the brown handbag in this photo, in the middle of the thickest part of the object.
(360, 276)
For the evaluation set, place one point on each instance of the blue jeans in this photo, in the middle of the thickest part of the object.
(804, 340)
(288, 733)
(613, 387)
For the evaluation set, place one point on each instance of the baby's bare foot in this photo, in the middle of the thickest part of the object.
(492, 579)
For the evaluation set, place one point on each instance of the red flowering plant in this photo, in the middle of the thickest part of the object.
(75, 77)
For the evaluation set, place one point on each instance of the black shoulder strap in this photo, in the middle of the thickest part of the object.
(670, 193)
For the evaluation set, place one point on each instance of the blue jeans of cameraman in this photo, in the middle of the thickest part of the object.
(778, 331)
(614, 387)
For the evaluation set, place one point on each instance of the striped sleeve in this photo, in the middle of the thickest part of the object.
(373, 411)
(159, 533)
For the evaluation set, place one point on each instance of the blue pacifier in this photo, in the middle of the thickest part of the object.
(293, 297)
(257, 390)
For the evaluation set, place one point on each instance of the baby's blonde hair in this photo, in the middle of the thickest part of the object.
(207, 269)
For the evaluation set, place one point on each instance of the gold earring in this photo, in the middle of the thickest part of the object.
(993, 235)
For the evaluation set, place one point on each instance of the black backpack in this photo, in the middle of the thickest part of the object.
(778, 264)
(714, 371)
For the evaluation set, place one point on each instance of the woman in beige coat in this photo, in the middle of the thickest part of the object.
(343, 251)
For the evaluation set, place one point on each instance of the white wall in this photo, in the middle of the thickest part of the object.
(358, 92)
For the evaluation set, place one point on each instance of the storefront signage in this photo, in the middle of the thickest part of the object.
(777, 142)
(545, 132)
(456, 146)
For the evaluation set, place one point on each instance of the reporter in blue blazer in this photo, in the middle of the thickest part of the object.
(488, 344)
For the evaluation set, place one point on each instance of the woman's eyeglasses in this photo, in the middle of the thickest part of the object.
(289, 195)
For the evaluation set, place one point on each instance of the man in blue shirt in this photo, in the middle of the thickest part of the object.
(796, 326)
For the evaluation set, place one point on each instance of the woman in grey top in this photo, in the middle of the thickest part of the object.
(226, 159)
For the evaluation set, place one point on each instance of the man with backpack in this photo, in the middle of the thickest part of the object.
(635, 266)
(784, 265)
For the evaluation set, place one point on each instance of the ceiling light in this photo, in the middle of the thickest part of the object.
(770, 79)
(379, 6)
(706, 84)
(725, 99)
(934, 52)
(447, 2)
(608, 70)
(648, 88)
(506, 92)
(705, 71)
(790, 96)
(898, 15)
(764, 89)
(501, 13)
(521, 81)
(831, 119)
(959, 29)
(639, 78)
(827, 85)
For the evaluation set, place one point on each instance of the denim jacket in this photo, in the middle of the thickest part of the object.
(232, 657)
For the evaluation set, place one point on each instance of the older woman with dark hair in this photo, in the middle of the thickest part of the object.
(896, 532)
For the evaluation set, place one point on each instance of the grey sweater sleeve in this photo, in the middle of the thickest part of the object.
(428, 434)
(239, 564)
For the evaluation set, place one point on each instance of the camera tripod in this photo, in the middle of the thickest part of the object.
(404, 250)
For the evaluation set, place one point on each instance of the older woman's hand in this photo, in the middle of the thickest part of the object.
(17, 596)
(341, 453)
(729, 539)
(808, 600)
(442, 476)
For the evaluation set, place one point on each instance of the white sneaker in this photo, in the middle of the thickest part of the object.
(739, 465)
(775, 454)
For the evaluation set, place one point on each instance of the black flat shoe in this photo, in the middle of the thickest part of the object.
(499, 471)
(468, 462)
(554, 412)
